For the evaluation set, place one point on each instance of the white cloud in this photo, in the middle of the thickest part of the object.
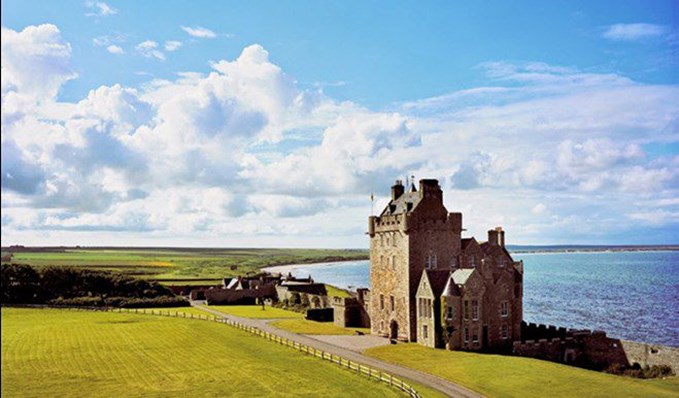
(149, 49)
(113, 49)
(172, 45)
(35, 62)
(99, 9)
(633, 31)
(241, 151)
(199, 31)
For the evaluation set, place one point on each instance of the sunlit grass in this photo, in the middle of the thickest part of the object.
(58, 353)
(508, 376)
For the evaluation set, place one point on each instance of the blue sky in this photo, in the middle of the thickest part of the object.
(269, 123)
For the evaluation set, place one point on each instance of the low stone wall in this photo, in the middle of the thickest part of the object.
(651, 354)
(350, 312)
(589, 349)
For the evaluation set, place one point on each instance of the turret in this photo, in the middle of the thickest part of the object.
(397, 190)
(429, 188)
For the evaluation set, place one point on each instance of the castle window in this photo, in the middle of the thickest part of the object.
(466, 309)
(504, 332)
(475, 310)
(449, 312)
(425, 333)
(475, 337)
(382, 326)
(502, 262)
(466, 335)
(381, 301)
(472, 261)
(391, 302)
(430, 262)
(504, 309)
(429, 310)
(393, 262)
(453, 263)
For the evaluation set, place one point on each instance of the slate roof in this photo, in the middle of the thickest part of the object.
(437, 280)
(486, 247)
(461, 275)
(466, 242)
(400, 205)
(451, 289)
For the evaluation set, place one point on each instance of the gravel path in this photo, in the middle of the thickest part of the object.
(435, 382)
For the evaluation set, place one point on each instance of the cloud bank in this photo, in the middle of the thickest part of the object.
(241, 155)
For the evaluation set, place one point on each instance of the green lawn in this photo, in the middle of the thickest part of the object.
(505, 376)
(303, 326)
(255, 311)
(58, 353)
(336, 292)
(183, 266)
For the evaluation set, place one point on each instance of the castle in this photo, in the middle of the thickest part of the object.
(430, 285)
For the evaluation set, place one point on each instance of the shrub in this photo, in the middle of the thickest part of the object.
(20, 283)
(636, 370)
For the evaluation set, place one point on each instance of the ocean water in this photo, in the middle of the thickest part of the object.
(630, 295)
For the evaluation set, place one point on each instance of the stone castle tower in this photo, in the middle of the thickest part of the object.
(413, 232)
(430, 285)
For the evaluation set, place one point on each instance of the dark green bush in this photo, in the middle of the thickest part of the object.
(21, 284)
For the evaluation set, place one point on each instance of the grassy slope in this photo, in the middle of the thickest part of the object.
(255, 311)
(303, 326)
(67, 353)
(176, 265)
(336, 292)
(504, 376)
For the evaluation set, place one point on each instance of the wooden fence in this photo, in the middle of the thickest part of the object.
(354, 366)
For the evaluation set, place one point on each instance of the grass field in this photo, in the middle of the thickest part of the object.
(57, 353)
(303, 326)
(182, 266)
(505, 376)
(255, 311)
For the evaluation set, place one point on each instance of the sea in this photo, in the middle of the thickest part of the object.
(632, 295)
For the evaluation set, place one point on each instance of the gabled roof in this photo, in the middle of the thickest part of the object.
(437, 280)
(460, 276)
(466, 242)
(451, 289)
(400, 205)
(487, 248)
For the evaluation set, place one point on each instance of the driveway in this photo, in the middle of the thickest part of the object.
(339, 347)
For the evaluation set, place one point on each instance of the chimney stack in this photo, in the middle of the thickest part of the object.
(501, 236)
(493, 237)
(397, 190)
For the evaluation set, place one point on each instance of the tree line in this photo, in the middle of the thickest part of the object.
(23, 284)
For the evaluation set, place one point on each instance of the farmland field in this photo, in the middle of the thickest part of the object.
(177, 266)
(47, 352)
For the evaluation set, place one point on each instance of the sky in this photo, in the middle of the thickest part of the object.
(270, 124)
